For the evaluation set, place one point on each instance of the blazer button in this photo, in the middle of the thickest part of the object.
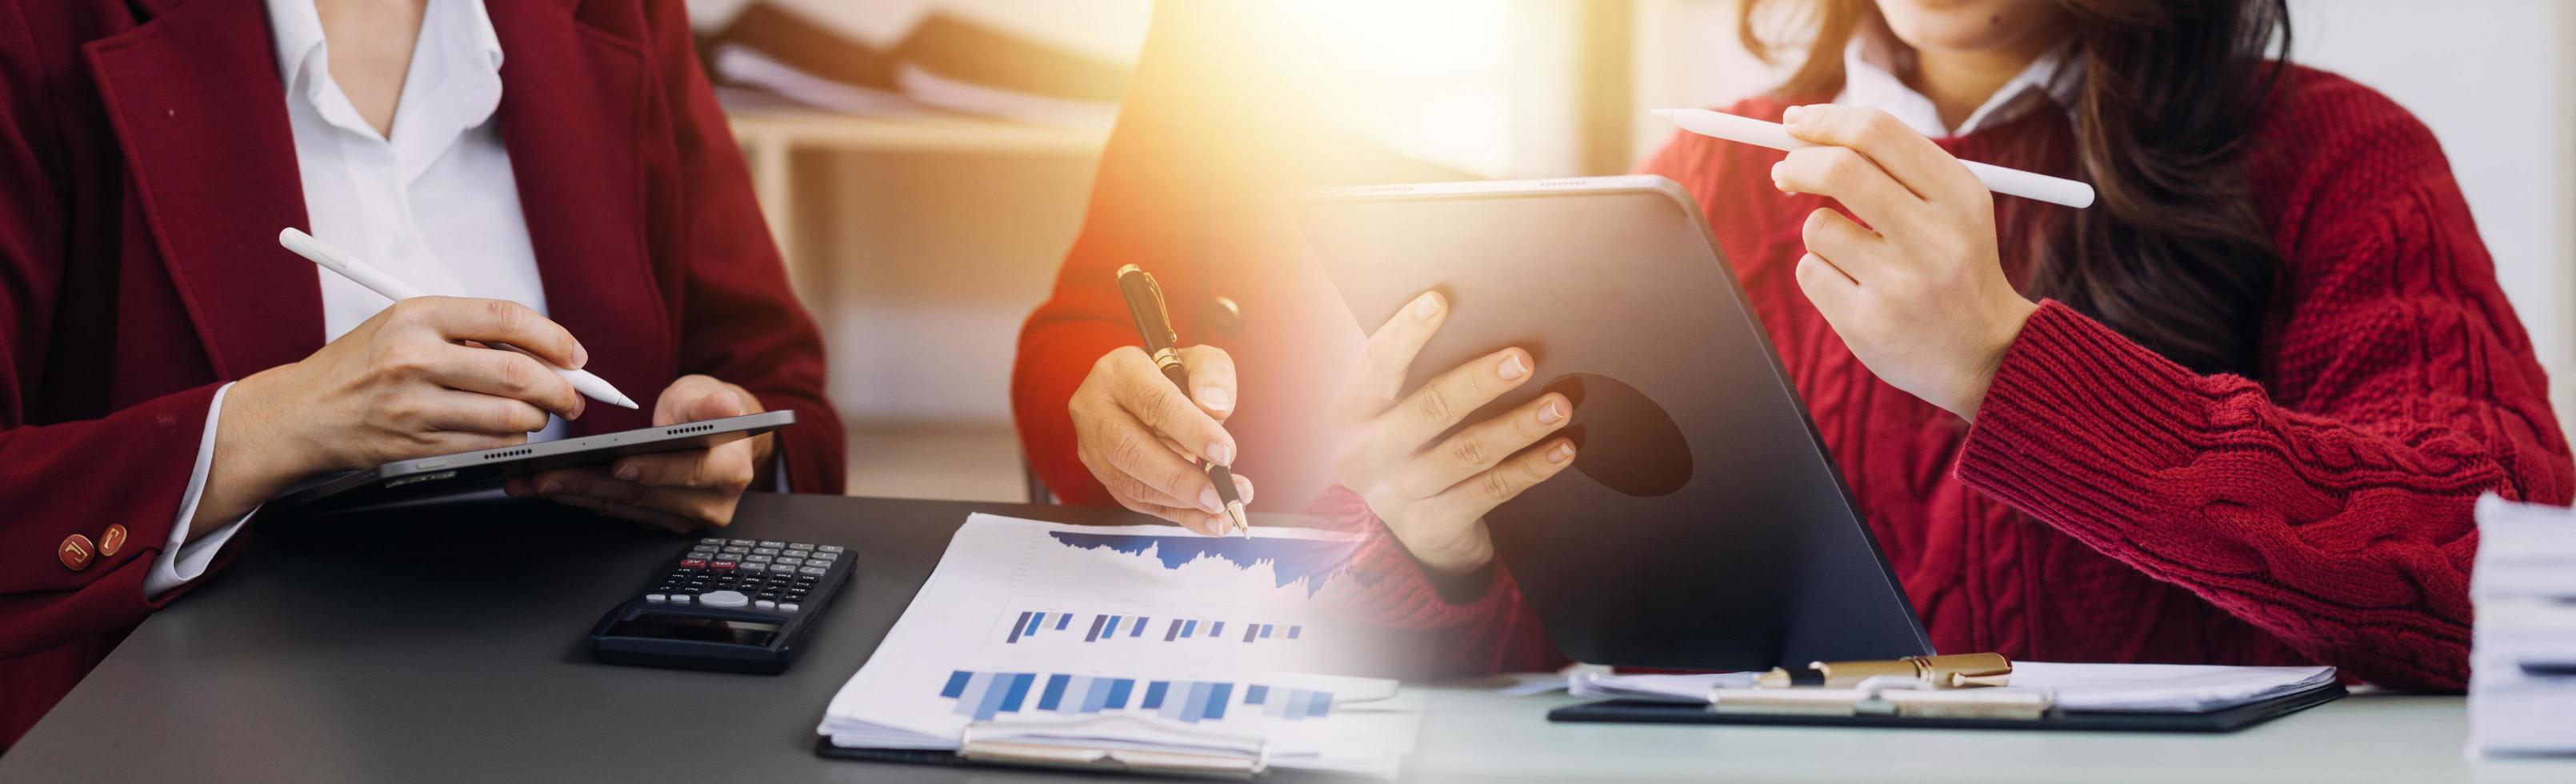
(76, 552)
(1226, 317)
(111, 540)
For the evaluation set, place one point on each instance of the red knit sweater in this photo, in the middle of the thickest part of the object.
(2109, 505)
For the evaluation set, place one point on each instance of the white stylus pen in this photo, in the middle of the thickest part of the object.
(358, 272)
(1761, 133)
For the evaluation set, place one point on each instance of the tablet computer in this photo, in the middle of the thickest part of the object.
(430, 479)
(1703, 525)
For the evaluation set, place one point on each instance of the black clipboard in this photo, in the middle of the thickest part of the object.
(2223, 720)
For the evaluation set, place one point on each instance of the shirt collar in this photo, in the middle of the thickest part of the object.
(1872, 60)
(296, 29)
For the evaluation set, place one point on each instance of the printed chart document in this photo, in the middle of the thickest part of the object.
(1139, 637)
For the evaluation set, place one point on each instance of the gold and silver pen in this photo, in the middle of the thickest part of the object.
(1145, 303)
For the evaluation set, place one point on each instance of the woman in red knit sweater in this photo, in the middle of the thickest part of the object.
(2235, 413)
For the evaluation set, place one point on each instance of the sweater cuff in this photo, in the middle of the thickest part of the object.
(2077, 412)
(1407, 596)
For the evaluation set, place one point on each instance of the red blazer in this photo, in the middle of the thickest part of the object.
(145, 168)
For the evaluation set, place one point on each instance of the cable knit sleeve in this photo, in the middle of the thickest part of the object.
(1485, 631)
(2328, 504)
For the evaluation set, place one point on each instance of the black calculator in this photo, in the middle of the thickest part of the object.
(734, 605)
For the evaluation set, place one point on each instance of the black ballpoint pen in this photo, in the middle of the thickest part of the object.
(1145, 303)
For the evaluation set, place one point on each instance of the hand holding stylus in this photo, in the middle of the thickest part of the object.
(405, 383)
(392, 288)
(1919, 292)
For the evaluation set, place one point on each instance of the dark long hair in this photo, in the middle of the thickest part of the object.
(2172, 254)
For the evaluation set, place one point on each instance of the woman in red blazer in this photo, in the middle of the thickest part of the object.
(147, 162)
(2237, 412)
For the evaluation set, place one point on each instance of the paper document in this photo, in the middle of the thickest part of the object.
(2163, 688)
(1033, 623)
(1660, 688)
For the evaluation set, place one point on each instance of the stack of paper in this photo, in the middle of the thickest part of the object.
(1142, 638)
(2522, 660)
(2158, 688)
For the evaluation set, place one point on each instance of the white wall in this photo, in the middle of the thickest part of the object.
(2495, 79)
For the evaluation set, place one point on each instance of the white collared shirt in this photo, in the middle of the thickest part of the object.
(435, 205)
(1872, 60)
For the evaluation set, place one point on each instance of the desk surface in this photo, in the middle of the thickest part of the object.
(450, 648)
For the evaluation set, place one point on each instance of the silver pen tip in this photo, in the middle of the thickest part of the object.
(1241, 525)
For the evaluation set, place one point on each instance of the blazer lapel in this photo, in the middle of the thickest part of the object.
(195, 100)
(572, 104)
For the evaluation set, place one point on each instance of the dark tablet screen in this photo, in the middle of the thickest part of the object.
(1704, 526)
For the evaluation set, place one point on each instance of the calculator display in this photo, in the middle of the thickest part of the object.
(720, 630)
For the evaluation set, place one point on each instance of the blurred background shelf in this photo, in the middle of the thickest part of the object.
(934, 460)
(771, 138)
(918, 243)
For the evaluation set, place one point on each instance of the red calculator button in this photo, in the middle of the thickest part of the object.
(692, 563)
(720, 565)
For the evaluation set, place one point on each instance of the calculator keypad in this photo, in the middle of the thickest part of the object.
(773, 575)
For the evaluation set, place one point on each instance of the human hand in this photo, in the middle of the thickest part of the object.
(678, 491)
(1432, 492)
(1138, 434)
(413, 381)
(1918, 294)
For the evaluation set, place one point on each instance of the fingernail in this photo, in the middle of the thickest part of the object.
(1221, 453)
(550, 485)
(1216, 398)
(1560, 453)
(1426, 305)
(1791, 114)
(1512, 366)
(580, 356)
(1207, 500)
(1549, 414)
(627, 472)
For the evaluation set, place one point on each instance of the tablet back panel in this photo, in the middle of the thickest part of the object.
(1703, 525)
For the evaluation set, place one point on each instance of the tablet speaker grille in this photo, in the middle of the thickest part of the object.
(520, 452)
(681, 431)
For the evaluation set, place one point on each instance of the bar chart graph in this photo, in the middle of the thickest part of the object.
(1115, 627)
(981, 696)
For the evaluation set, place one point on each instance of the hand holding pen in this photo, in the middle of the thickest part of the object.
(1149, 431)
(419, 378)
